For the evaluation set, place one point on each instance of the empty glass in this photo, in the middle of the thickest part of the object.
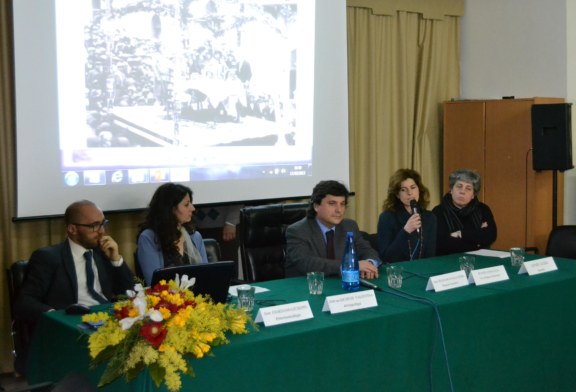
(517, 257)
(467, 263)
(394, 274)
(246, 297)
(315, 282)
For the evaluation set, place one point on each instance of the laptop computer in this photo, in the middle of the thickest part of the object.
(212, 279)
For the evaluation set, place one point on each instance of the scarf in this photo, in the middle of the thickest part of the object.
(455, 215)
(190, 249)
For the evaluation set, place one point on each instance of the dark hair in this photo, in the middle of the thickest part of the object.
(160, 217)
(74, 214)
(392, 202)
(321, 190)
(466, 175)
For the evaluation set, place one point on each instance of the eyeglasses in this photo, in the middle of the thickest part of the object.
(94, 226)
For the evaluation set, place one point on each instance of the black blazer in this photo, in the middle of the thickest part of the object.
(50, 281)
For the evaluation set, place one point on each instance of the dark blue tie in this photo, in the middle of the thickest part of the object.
(90, 279)
(330, 244)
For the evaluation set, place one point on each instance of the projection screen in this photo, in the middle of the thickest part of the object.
(241, 100)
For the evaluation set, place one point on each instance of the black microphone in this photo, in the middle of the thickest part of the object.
(370, 285)
(415, 210)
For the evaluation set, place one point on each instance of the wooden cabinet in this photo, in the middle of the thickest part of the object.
(494, 137)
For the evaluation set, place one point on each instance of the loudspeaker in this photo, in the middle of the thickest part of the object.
(552, 136)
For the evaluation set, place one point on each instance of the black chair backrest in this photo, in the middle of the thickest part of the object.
(212, 249)
(262, 239)
(562, 242)
(21, 330)
(372, 238)
(15, 276)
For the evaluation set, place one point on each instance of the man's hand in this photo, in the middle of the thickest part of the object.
(109, 247)
(368, 270)
(229, 232)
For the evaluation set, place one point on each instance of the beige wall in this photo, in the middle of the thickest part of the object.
(523, 48)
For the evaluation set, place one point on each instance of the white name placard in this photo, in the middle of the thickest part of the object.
(447, 281)
(350, 301)
(539, 266)
(282, 314)
(488, 275)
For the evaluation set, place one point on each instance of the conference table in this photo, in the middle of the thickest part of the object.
(514, 335)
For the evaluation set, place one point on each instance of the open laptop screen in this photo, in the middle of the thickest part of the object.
(212, 279)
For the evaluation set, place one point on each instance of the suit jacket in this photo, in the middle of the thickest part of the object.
(306, 247)
(51, 283)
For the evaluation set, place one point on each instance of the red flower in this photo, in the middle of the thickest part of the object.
(122, 312)
(157, 289)
(153, 332)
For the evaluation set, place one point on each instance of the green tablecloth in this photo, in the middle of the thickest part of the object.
(516, 335)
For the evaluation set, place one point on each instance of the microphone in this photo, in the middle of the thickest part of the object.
(370, 285)
(415, 210)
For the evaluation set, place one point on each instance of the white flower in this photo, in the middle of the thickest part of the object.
(185, 283)
(141, 305)
(138, 288)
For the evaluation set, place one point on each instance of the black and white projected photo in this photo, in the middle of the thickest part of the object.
(185, 78)
(239, 99)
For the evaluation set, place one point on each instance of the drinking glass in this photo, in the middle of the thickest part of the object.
(517, 257)
(467, 263)
(246, 297)
(315, 282)
(394, 274)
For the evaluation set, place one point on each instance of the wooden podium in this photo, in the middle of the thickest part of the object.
(494, 137)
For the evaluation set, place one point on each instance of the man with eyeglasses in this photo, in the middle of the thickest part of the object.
(86, 268)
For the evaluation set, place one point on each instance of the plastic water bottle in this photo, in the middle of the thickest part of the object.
(350, 268)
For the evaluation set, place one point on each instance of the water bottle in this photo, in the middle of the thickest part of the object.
(350, 268)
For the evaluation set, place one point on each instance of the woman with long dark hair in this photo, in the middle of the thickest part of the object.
(167, 236)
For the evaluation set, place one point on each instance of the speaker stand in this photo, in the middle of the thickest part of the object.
(554, 198)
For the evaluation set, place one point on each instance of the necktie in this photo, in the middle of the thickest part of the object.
(90, 279)
(330, 244)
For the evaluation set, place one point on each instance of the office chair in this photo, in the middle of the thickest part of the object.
(372, 238)
(262, 239)
(562, 242)
(21, 331)
(212, 249)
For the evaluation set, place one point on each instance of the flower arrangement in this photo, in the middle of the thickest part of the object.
(156, 328)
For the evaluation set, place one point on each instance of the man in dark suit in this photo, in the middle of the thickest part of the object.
(306, 240)
(86, 268)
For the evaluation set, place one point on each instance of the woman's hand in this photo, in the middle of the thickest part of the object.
(413, 223)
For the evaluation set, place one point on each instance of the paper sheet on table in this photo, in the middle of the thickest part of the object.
(232, 289)
(490, 253)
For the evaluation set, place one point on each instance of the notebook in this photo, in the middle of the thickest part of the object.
(212, 279)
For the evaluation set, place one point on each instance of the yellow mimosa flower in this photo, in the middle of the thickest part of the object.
(140, 333)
